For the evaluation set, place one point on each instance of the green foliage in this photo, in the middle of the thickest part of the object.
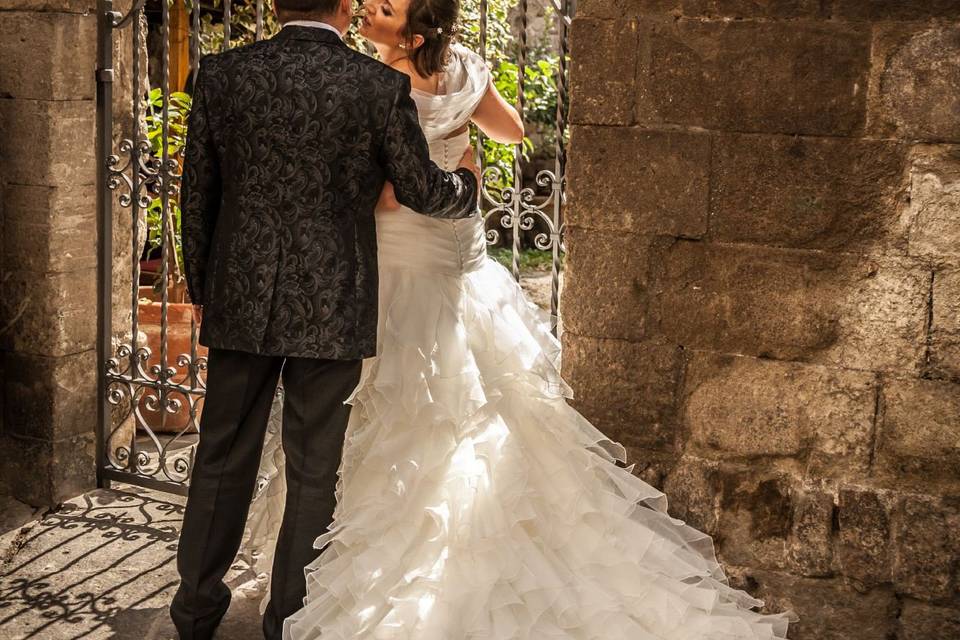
(243, 26)
(499, 40)
(540, 91)
(530, 259)
(177, 111)
(540, 103)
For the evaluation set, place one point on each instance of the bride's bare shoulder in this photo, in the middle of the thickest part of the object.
(428, 84)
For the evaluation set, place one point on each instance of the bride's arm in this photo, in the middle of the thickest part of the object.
(497, 118)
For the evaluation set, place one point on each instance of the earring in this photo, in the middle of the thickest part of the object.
(403, 46)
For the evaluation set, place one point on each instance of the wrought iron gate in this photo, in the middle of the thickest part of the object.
(152, 382)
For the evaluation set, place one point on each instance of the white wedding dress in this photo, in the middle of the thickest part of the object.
(473, 502)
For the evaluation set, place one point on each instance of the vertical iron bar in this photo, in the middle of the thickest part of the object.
(227, 7)
(164, 213)
(560, 166)
(105, 18)
(518, 153)
(483, 54)
(135, 179)
(192, 398)
(194, 41)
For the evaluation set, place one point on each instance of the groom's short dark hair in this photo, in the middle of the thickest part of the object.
(294, 9)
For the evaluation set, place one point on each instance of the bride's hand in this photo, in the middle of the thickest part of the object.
(466, 162)
(388, 199)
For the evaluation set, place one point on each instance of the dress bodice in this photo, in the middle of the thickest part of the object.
(407, 239)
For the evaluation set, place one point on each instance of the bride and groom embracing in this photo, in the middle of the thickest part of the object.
(432, 483)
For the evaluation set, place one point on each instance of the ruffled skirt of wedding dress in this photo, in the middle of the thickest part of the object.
(474, 503)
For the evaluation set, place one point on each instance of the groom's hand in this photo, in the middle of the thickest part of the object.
(466, 162)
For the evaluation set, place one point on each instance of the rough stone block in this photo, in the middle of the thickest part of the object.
(919, 437)
(66, 69)
(3, 377)
(773, 77)
(50, 315)
(619, 9)
(844, 310)
(65, 6)
(895, 9)
(756, 520)
(828, 609)
(745, 407)
(660, 187)
(944, 355)
(709, 9)
(602, 61)
(605, 285)
(915, 83)
(628, 391)
(921, 621)
(50, 398)
(810, 550)
(44, 472)
(693, 488)
(927, 548)
(741, 9)
(863, 542)
(932, 219)
(50, 229)
(817, 193)
(48, 142)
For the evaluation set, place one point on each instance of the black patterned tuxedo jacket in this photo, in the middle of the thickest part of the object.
(289, 143)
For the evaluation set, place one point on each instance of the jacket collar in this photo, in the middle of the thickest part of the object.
(298, 32)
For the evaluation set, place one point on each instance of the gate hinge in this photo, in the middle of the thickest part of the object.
(105, 75)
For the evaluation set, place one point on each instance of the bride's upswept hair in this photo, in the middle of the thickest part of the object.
(436, 21)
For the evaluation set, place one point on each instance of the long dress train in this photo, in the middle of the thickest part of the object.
(474, 503)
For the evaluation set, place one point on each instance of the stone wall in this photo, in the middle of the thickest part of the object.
(48, 301)
(763, 289)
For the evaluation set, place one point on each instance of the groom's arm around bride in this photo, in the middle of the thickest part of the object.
(417, 182)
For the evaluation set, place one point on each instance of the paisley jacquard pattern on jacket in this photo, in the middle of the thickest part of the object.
(289, 143)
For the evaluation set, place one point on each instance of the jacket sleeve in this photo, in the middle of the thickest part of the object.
(200, 191)
(417, 181)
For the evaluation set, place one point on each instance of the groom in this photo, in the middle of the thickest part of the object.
(290, 142)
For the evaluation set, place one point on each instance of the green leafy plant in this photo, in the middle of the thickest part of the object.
(530, 259)
(243, 26)
(178, 109)
(540, 92)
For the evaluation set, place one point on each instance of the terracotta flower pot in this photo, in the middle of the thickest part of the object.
(178, 343)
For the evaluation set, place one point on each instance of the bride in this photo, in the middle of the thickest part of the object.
(474, 503)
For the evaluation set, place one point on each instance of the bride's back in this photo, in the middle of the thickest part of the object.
(407, 239)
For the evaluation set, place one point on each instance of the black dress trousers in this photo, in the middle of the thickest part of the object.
(240, 391)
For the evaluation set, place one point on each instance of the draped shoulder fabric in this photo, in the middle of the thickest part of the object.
(464, 82)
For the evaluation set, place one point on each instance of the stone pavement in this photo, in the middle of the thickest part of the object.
(101, 565)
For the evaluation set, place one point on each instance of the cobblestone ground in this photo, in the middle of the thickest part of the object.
(102, 565)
